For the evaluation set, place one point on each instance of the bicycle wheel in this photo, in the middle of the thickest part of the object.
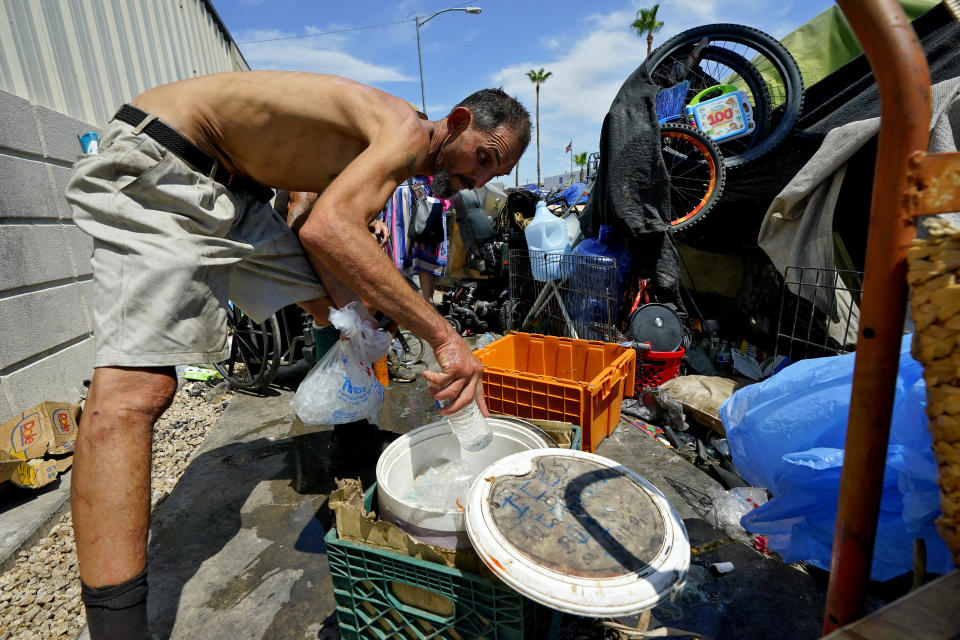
(733, 68)
(254, 351)
(696, 170)
(774, 72)
(411, 348)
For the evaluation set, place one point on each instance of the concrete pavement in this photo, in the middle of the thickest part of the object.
(236, 550)
(26, 515)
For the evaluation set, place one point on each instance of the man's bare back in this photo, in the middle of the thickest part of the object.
(286, 129)
(353, 145)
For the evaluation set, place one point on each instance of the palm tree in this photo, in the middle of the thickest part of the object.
(580, 159)
(646, 23)
(538, 78)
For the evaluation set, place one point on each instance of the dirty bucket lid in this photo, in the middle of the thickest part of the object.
(577, 532)
(657, 324)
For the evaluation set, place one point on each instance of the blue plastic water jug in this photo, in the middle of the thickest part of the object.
(547, 242)
(605, 246)
(597, 259)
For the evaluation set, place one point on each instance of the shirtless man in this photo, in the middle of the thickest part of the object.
(175, 204)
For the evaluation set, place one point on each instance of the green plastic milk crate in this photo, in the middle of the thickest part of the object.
(381, 594)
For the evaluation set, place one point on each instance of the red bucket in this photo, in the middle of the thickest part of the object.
(656, 367)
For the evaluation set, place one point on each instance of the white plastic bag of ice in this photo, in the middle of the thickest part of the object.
(342, 387)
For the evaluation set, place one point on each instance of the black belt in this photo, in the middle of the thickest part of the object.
(191, 153)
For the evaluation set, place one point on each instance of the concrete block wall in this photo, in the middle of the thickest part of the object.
(46, 344)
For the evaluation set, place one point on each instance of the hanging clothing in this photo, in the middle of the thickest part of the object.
(408, 254)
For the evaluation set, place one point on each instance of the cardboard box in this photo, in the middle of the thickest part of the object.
(561, 431)
(356, 524)
(35, 473)
(48, 429)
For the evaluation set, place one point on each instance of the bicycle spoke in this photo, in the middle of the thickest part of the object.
(255, 355)
(247, 347)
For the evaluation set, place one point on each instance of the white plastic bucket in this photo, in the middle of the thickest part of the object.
(400, 463)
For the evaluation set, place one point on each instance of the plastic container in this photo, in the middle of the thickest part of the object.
(382, 371)
(590, 304)
(656, 367)
(723, 117)
(383, 594)
(471, 428)
(605, 246)
(547, 242)
(552, 378)
(404, 459)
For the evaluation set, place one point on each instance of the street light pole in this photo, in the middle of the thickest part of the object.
(422, 21)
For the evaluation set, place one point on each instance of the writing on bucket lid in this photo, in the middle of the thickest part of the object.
(577, 532)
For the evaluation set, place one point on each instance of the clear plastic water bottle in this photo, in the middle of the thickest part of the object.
(471, 428)
(484, 340)
(724, 358)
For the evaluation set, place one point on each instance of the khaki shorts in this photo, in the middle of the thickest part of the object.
(170, 247)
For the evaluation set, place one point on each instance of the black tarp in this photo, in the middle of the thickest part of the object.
(631, 188)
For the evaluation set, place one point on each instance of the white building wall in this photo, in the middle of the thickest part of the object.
(65, 67)
(84, 58)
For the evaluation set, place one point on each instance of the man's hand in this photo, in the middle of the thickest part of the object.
(380, 230)
(460, 379)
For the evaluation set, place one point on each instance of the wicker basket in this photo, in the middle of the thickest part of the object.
(934, 278)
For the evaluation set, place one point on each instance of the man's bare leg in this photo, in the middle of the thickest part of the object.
(110, 491)
(428, 284)
(319, 310)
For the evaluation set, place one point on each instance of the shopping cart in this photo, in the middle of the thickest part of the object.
(581, 302)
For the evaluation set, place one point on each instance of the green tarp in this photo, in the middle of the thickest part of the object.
(826, 42)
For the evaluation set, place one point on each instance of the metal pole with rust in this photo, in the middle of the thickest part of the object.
(903, 80)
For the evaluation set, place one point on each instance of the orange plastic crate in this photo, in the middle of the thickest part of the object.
(549, 378)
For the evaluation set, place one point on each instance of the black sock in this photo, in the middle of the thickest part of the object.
(117, 612)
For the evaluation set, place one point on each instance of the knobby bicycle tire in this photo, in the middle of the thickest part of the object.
(787, 106)
(257, 346)
(697, 173)
(453, 322)
(512, 314)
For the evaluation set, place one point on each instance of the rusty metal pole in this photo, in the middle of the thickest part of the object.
(903, 79)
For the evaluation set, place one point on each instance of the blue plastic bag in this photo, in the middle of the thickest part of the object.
(787, 434)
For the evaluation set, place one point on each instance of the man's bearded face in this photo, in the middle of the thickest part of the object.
(443, 183)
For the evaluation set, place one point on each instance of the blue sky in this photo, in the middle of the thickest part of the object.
(586, 45)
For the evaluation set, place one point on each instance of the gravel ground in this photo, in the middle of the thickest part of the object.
(40, 596)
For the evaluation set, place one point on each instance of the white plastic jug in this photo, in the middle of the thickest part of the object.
(547, 242)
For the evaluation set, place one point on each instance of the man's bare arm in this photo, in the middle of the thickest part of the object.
(336, 232)
(298, 208)
(336, 236)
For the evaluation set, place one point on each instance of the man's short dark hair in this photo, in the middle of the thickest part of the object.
(492, 108)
